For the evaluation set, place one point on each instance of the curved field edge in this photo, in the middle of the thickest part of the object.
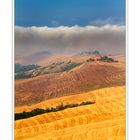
(78, 98)
(101, 121)
(40, 111)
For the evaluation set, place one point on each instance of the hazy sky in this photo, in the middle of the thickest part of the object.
(69, 12)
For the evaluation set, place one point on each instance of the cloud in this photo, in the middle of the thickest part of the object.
(63, 39)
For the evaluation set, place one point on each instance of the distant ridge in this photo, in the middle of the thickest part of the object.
(33, 58)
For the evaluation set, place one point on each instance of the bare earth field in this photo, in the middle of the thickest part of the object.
(104, 120)
(83, 78)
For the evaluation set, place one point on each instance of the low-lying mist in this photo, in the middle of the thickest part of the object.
(108, 39)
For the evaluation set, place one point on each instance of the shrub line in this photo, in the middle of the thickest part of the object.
(39, 111)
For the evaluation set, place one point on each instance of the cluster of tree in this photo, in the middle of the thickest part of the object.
(90, 60)
(90, 52)
(53, 65)
(70, 66)
(22, 75)
(39, 111)
(23, 68)
(106, 58)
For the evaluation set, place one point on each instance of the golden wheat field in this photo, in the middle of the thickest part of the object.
(104, 120)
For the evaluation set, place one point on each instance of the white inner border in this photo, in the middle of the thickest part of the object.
(6, 73)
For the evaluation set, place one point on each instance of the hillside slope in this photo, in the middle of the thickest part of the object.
(104, 120)
(87, 76)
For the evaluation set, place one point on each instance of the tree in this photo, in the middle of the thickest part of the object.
(90, 60)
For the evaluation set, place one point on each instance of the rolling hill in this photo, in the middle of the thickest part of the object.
(104, 120)
(87, 76)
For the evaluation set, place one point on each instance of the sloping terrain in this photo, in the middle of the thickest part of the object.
(47, 58)
(104, 120)
(55, 64)
(87, 76)
(55, 68)
(52, 68)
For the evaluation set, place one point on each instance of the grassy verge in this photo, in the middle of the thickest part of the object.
(39, 111)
